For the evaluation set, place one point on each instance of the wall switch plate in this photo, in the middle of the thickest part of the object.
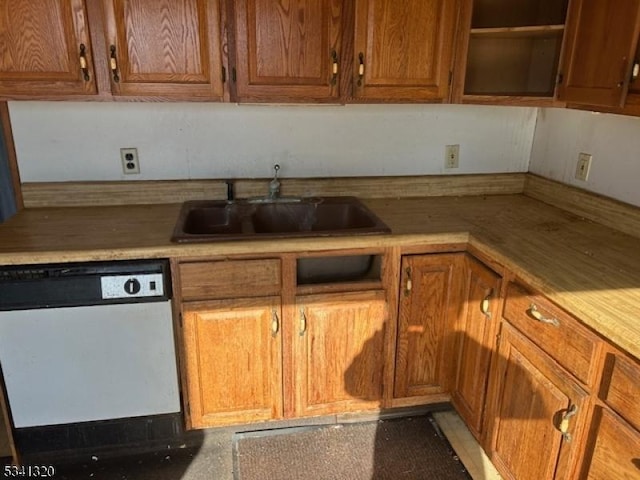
(451, 156)
(130, 162)
(583, 166)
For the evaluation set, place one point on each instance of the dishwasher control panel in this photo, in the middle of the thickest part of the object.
(132, 286)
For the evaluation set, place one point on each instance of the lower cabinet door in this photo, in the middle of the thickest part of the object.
(537, 401)
(338, 357)
(429, 300)
(476, 341)
(233, 361)
(616, 454)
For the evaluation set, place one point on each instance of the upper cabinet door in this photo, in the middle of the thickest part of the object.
(287, 50)
(165, 48)
(602, 37)
(403, 49)
(44, 46)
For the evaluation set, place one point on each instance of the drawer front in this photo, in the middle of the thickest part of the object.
(553, 330)
(621, 388)
(230, 279)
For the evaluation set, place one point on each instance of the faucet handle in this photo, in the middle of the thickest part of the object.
(276, 167)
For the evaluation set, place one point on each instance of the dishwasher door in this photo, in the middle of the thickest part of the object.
(77, 364)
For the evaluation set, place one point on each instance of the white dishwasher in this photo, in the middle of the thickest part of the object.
(90, 341)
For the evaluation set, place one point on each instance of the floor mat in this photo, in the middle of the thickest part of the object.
(398, 449)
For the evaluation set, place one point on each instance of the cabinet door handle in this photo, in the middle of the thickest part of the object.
(84, 66)
(303, 323)
(409, 285)
(334, 67)
(485, 305)
(360, 68)
(275, 323)
(534, 313)
(565, 422)
(113, 63)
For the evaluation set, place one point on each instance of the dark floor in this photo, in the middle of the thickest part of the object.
(211, 459)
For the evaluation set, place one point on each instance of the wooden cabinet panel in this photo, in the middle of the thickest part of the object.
(616, 454)
(429, 297)
(403, 50)
(602, 38)
(165, 47)
(561, 336)
(621, 387)
(338, 342)
(230, 279)
(477, 340)
(285, 49)
(41, 46)
(233, 356)
(534, 394)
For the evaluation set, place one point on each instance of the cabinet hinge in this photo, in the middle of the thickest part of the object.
(180, 319)
(450, 76)
(224, 75)
(498, 337)
(560, 78)
(233, 75)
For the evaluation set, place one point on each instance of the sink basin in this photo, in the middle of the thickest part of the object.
(216, 220)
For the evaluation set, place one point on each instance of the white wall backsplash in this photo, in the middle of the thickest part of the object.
(64, 141)
(613, 140)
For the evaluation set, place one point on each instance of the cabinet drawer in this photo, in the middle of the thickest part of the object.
(230, 279)
(621, 387)
(553, 330)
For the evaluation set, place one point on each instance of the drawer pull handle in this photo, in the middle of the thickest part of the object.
(534, 313)
(275, 324)
(303, 323)
(565, 422)
(485, 305)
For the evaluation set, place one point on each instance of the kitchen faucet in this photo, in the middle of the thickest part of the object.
(274, 185)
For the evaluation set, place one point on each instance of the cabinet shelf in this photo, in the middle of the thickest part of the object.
(517, 32)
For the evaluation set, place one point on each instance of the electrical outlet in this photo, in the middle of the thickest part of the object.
(451, 156)
(583, 166)
(130, 162)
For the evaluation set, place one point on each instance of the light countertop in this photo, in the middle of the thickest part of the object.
(590, 270)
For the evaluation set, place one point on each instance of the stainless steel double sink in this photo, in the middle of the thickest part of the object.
(219, 220)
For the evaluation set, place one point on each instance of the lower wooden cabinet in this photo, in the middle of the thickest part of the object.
(233, 360)
(537, 402)
(476, 332)
(613, 449)
(429, 300)
(339, 343)
(616, 453)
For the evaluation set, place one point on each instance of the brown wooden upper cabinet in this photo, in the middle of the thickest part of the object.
(509, 51)
(164, 48)
(403, 49)
(45, 45)
(286, 50)
(599, 56)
